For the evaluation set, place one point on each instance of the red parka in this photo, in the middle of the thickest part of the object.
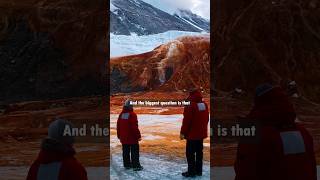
(62, 165)
(127, 127)
(285, 149)
(195, 118)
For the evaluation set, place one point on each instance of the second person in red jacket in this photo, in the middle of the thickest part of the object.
(194, 129)
(56, 159)
(129, 135)
(285, 147)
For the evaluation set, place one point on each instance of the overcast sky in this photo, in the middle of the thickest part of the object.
(200, 7)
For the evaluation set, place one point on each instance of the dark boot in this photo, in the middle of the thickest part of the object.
(198, 173)
(140, 168)
(188, 174)
(128, 166)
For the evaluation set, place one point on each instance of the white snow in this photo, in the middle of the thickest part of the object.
(114, 141)
(162, 77)
(155, 168)
(173, 49)
(145, 120)
(162, 110)
(192, 24)
(163, 122)
(112, 7)
(206, 144)
(166, 7)
(151, 137)
(147, 123)
(122, 45)
(198, 7)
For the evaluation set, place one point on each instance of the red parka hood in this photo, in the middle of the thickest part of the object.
(52, 151)
(125, 110)
(274, 108)
(195, 96)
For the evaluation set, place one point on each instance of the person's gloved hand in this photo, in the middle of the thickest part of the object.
(182, 137)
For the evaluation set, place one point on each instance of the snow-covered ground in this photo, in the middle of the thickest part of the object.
(164, 123)
(168, 122)
(155, 168)
(122, 45)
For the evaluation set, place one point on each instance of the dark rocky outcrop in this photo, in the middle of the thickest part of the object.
(258, 41)
(52, 49)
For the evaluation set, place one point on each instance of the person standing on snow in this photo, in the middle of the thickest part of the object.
(194, 129)
(129, 135)
(285, 148)
(56, 159)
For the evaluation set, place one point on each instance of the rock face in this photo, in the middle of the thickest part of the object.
(52, 49)
(181, 64)
(275, 41)
(136, 16)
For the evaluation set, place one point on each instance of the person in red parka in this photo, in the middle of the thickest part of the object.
(285, 148)
(194, 129)
(129, 135)
(56, 159)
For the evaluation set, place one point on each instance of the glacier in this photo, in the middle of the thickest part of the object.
(122, 45)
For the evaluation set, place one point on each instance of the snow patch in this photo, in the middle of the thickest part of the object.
(163, 123)
(150, 137)
(165, 7)
(161, 73)
(113, 8)
(173, 49)
(161, 110)
(165, 63)
(188, 21)
(114, 141)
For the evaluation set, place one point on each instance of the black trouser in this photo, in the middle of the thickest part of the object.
(132, 161)
(194, 152)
